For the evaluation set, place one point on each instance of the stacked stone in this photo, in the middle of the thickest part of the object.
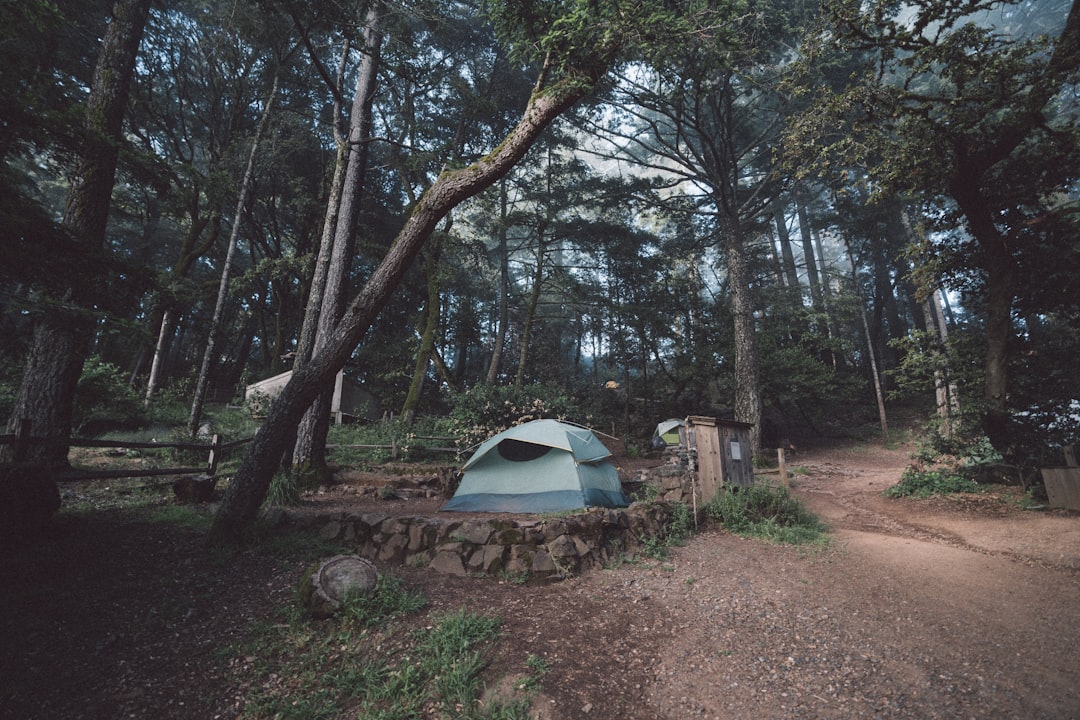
(673, 480)
(535, 549)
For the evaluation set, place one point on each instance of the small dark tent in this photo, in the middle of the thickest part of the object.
(539, 466)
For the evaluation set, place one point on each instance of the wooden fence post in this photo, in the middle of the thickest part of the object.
(783, 467)
(215, 451)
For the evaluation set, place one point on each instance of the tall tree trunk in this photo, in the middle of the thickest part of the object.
(791, 273)
(309, 452)
(874, 374)
(1000, 269)
(530, 310)
(305, 342)
(63, 333)
(427, 333)
(747, 382)
(504, 291)
(168, 324)
(223, 287)
(248, 488)
(165, 315)
(812, 276)
(826, 301)
(936, 302)
(945, 391)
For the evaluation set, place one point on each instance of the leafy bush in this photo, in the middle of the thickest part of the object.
(677, 530)
(104, 400)
(410, 441)
(924, 483)
(964, 452)
(766, 512)
(482, 411)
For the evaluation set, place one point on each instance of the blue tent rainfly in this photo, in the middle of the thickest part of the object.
(537, 467)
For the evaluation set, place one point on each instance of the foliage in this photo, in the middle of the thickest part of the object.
(924, 483)
(677, 530)
(283, 491)
(485, 410)
(766, 512)
(386, 437)
(390, 600)
(104, 400)
(963, 457)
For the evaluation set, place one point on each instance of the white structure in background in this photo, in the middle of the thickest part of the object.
(350, 399)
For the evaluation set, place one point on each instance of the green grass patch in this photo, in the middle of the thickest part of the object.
(768, 513)
(366, 662)
(190, 517)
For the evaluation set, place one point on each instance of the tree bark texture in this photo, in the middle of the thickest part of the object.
(791, 274)
(427, 333)
(747, 382)
(504, 291)
(530, 310)
(1000, 266)
(248, 488)
(63, 334)
(309, 453)
(812, 276)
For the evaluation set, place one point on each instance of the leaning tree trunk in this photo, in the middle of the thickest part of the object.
(63, 334)
(248, 488)
(874, 372)
(812, 276)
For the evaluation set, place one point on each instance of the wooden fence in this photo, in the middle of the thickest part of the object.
(214, 450)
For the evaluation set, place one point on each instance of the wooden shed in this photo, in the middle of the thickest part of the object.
(350, 399)
(722, 448)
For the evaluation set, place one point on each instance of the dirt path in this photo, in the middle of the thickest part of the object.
(962, 608)
(924, 610)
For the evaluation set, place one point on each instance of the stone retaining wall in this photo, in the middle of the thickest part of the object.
(673, 480)
(529, 548)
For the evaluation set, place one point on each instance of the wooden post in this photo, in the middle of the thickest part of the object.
(215, 451)
(783, 467)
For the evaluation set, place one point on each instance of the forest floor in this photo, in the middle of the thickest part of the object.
(959, 607)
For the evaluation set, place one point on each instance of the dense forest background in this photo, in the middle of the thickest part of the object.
(790, 213)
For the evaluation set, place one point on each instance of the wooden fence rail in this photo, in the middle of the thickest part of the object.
(21, 439)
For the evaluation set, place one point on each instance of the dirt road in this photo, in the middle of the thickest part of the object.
(925, 609)
(960, 608)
